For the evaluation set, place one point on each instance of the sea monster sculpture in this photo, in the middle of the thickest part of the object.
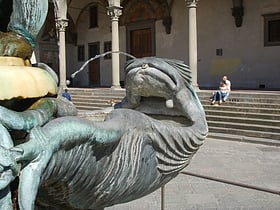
(75, 163)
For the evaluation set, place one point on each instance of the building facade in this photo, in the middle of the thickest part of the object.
(240, 39)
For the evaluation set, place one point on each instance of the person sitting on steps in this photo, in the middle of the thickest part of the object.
(222, 94)
(66, 94)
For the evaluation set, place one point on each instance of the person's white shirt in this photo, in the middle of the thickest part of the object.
(228, 84)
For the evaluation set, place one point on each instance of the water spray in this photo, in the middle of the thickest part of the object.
(98, 56)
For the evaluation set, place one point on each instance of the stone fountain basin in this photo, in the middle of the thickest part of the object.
(20, 80)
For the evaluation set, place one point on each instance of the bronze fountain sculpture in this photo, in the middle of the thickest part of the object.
(67, 162)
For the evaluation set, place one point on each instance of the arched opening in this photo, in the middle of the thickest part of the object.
(6, 7)
(48, 39)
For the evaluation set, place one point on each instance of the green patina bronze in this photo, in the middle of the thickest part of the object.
(75, 163)
(28, 94)
(66, 162)
(26, 20)
(13, 44)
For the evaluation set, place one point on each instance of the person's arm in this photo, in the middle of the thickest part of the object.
(228, 84)
(224, 88)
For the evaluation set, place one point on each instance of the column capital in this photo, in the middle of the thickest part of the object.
(191, 3)
(114, 12)
(61, 24)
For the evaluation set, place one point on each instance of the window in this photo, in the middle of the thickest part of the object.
(272, 29)
(107, 47)
(81, 53)
(93, 16)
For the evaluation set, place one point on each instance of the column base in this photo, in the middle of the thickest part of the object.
(116, 87)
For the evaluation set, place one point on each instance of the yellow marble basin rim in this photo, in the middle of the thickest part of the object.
(20, 80)
(13, 61)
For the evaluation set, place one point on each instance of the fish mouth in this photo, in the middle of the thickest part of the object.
(162, 89)
(148, 81)
(153, 91)
(159, 109)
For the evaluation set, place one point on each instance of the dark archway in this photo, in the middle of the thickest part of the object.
(6, 8)
(134, 11)
(49, 31)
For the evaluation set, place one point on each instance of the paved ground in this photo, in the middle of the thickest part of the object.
(247, 163)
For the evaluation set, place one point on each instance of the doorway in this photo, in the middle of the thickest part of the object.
(94, 66)
(141, 42)
(141, 39)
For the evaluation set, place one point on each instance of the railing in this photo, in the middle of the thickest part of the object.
(216, 179)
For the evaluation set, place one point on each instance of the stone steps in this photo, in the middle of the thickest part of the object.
(244, 133)
(95, 99)
(239, 109)
(245, 116)
(239, 137)
(247, 127)
(243, 121)
(272, 105)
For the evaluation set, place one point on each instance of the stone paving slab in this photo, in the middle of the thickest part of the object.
(246, 163)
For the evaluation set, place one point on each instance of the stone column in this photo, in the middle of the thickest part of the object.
(192, 5)
(114, 11)
(61, 25)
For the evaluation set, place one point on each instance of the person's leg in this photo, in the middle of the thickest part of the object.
(225, 96)
(219, 97)
(214, 97)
